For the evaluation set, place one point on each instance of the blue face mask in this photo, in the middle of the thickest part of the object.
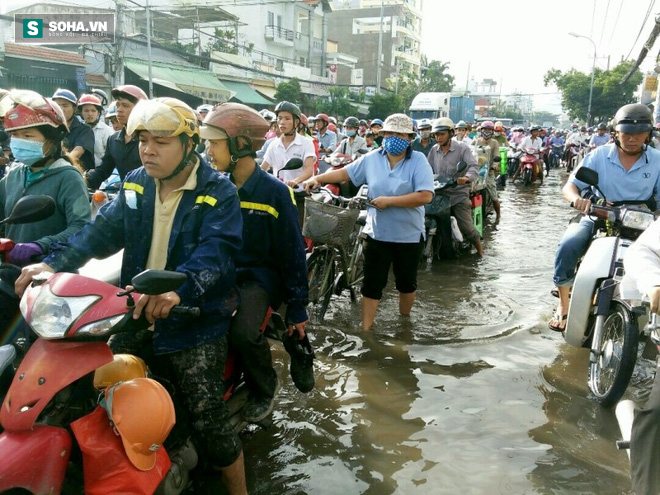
(350, 133)
(26, 151)
(395, 145)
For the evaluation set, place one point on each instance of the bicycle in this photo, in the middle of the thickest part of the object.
(336, 261)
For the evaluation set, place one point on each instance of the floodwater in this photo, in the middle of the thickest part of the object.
(471, 394)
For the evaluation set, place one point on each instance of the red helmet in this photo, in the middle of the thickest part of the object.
(332, 127)
(130, 92)
(23, 109)
(233, 120)
(324, 117)
(303, 119)
(90, 100)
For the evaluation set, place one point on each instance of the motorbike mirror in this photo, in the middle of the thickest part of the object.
(362, 151)
(293, 164)
(30, 209)
(461, 167)
(587, 175)
(153, 282)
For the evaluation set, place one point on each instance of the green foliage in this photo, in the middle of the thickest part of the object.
(289, 91)
(224, 41)
(176, 46)
(435, 78)
(385, 104)
(608, 93)
(338, 104)
(539, 117)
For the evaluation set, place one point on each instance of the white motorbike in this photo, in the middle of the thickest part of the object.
(598, 316)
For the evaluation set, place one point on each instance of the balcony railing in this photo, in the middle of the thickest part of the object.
(276, 33)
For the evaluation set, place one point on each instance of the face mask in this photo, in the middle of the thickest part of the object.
(395, 145)
(425, 134)
(350, 133)
(26, 151)
(497, 133)
(486, 134)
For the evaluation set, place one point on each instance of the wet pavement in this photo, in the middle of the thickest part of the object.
(471, 394)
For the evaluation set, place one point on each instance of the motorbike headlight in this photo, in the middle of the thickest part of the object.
(53, 315)
(638, 220)
(99, 328)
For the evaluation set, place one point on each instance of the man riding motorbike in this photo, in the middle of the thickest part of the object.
(533, 141)
(327, 138)
(600, 138)
(79, 142)
(353, 143)
(174, 213)
(486, 139)
(444, 158)
(628, 171)
(462, 133)
(271, 267)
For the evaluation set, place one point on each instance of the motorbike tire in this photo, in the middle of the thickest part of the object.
(357, 275)
(427, 254)
(321, 279)
(527, 177)
(610, 374)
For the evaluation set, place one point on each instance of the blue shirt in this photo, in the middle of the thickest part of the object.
(597, 140)
(327, 140)
(639, 183)
(412, 174)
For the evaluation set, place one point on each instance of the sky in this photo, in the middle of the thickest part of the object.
(517, 46)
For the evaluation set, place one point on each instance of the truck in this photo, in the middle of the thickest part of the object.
(435, 105)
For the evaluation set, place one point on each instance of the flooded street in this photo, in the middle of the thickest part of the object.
(472, 394)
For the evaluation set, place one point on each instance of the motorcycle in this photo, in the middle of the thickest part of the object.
(337, 162)
(556, 151)
(576, 153)
(598, 316)
(513, 159)
(443, 237)
(530, 166)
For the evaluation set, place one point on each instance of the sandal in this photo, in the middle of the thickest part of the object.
(559, 318)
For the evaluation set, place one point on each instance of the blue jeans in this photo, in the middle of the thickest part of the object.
(572, 246)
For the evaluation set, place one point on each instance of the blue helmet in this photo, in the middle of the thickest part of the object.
(65, 94)
(376, 122)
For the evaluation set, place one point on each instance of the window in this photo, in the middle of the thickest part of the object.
(271, 19)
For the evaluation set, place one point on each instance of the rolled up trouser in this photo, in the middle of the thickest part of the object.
(645, 445)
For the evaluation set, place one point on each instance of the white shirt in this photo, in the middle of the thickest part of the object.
(528, 143)
(346, 148)
(642, 260)
(102, 132)
(277, 155)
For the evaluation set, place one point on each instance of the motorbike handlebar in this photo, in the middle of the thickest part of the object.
(185, 311)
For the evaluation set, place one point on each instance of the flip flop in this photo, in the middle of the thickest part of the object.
(557, 328)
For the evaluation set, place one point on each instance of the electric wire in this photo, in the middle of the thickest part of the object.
(602, 31)
(648, 12)
(616, 21)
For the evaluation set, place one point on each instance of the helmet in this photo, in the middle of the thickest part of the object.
(583, 128)
(461, 125)
(130, 92)
(487, 125)
(332, 127)
(376, 122)
(590, 129)
(303, 119)
(3, 93)
(65, 94)
(443, 124)
(102, 95)
(414, 121)
(323, 117)
(90, 100)
(498, 126)
(363, 122)
(424, 124)
(351, 122)
(204, 108)
(333, 120)
(164, 117)
(574, 125)
(142, 412)
(123, 367)
(601, 126)
(535, 128)
(286, 106)
(633, 119)
(267, 114)
(233, 120)
(112, 110)
(23, 109)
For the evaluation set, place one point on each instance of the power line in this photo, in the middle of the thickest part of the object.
(602, 31)
(616, 21)
(646, 17)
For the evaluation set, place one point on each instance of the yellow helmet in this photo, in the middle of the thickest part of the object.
(123, 367)
(142, 412)
(164, 117)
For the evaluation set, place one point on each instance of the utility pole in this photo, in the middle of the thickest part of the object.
(380, 50)
(151, 81)
(118, 55)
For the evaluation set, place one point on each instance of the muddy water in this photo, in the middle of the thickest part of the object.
(472, 394)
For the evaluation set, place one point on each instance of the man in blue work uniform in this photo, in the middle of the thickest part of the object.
(271, 267)
(174, 213)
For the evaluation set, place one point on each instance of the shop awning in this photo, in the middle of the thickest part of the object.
(194, 81)
(245, 93)
(267, 91)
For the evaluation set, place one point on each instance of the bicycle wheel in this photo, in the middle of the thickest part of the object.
(617, 353)
(320, 277)
(356, 267)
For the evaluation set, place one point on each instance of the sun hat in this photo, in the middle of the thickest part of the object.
(398, 122)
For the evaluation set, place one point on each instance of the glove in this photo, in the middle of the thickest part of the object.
(23, 253)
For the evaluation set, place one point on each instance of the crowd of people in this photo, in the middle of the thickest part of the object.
(196, 197)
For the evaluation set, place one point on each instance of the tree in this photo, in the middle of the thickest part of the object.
(609, 94)
(385, 104)
(539, 117)
(338, 103)
(289, 91)
(224, 41)
(434, 78)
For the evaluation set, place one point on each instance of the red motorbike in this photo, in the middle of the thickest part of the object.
(530, 166)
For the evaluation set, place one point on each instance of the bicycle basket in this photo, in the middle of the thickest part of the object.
(328, 224)
(439, 204)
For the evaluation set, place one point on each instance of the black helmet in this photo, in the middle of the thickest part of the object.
(351, 122)
(286, 106)
(602, 126)
(633, 119)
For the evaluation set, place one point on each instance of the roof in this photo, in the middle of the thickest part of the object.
(245, 93)
(45, 54)
(96, 80)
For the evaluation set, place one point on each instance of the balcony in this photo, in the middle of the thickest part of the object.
(279, 35)
(302, 44)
